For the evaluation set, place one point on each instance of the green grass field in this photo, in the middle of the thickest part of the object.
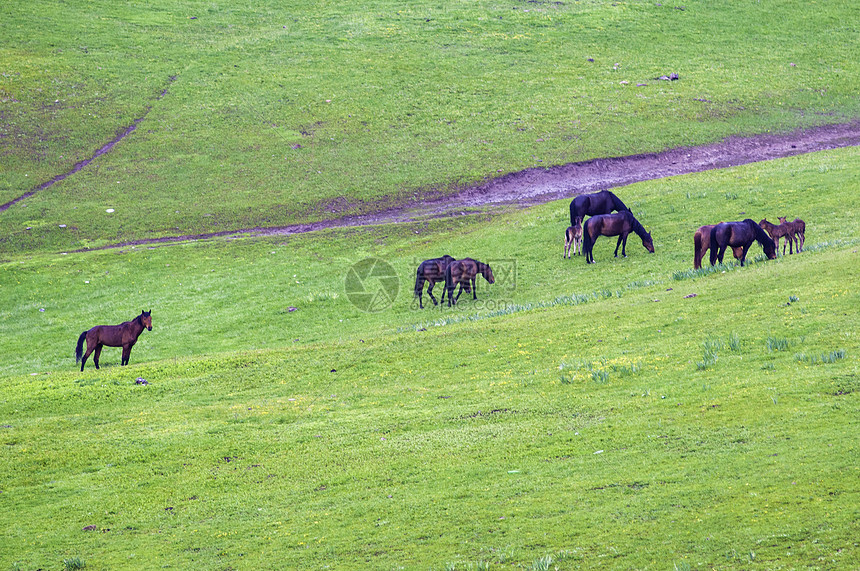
(631, 414)
(472, 90)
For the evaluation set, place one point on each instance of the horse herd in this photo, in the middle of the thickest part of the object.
(609, 216)
(599, 206)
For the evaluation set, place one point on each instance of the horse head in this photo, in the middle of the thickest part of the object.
(648, 242)
(146, 319)
(487, 272)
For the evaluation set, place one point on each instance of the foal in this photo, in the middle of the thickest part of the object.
(573, 237)
(798, 230)
(776, 232)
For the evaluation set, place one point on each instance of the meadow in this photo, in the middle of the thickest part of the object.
(579, 417)
(631, 414)
(261, 115)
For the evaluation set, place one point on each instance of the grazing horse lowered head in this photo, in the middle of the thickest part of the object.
(603, 202)
(464, 272)
(702, 243)
(739, 234)
(431, 271)
(123, 335)
(620, 224)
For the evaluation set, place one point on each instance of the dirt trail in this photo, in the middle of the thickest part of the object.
(539, 185)
(106, 148)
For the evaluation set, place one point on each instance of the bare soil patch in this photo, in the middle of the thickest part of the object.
(540, 185)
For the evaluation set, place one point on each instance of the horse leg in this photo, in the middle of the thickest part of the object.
(617, 245)
(474, 287)
(97, 354)
(460, 291)
(126, 353)
(624, 245)
(430, 293)
(744, 254)
(90, 349)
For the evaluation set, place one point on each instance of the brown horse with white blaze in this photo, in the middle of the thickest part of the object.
(123, 335)
(465, 272)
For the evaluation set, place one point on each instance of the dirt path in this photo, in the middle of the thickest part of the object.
(539, 185)
(106, 148)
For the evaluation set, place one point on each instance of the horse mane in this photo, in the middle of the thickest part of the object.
(761, 236)
(619, 206)
(637, 226)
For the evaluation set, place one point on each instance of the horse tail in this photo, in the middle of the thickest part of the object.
(79, 350)
(698, 250)
(419, 282)
(715, 245)
(587, 241)
(573, 214)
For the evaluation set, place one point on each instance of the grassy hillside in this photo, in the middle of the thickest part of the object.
(590, 417)
(631, 414)
(269, 114)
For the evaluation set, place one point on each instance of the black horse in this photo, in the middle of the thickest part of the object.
(603, 202)
(123, 335)
(620, 224)
(739, 235)
(431, 271)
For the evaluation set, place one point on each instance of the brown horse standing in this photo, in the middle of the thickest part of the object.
(573, 237)
(431, 271)
(620, 224)
(465, 272)
(778, 231)
(123, 335)
(798, 229)
(702, 242)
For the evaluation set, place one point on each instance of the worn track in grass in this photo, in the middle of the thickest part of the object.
(539, 185)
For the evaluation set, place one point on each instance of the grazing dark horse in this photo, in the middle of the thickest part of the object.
(603, 202)
(431, 271)
(465, 272)
(798, 228)
(702, 243)
(620, 225)
(573, 237)
(123, 335)
(739, 234)
(777, 231)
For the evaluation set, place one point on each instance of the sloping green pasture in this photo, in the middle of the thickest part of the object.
(590, 417)
(266, 113)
